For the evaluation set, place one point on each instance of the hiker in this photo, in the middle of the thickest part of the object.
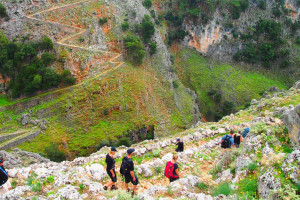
(237, 138)
(5, 185)
(171, 170)
(227, 141)
(127, 168)
(110, 169)
(180, 145)
(246, 131)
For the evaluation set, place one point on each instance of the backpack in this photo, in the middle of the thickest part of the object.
(3, 176)
(226, 142)
(124, 166)
(169, 170)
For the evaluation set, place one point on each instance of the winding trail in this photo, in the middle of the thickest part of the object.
(80, 32)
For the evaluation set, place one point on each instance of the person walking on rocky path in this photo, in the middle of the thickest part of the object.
(127, 169)
(227, 141)
(172, 171)
(237, 138)
(110, 169)
(180, 145)
(5, 185)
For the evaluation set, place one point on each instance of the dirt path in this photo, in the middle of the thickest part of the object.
(62, 42)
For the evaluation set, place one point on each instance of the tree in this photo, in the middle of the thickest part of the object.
(54, 153)
(103, 20)
(3, 12)
(147, 28)
(262, 4)
(47, 58)
(125, 26)
(153, 48)
(135, 48)
(46, 43)
(147, 3)
(37, 81)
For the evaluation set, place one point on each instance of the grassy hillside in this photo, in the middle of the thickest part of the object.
(220, 85)
(105, 108)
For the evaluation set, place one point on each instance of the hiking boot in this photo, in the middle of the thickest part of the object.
(114, 187)
(128, 190)
(105, 188)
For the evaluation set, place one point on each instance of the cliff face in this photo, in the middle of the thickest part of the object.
(265, 166)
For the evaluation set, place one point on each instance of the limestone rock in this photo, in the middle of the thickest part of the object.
(145, 197)
(167, 157)
(69, 192)
(15, 194)
(291, 119)
(242, 162)
(254, 102)
(290, 166)
(97, 171)
(145, 170)
(267, 183)
(226, 176)
(25, 119)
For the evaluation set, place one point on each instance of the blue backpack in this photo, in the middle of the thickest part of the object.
(3, 176)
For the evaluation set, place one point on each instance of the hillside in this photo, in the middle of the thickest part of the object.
(143, 70)
(266, 166)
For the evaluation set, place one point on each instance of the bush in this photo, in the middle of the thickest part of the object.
(276, 12)
(103, 143)
(153, 48)
(147, 3)
(223, 188)
(262, 4)
(54, 153)
(136, 52)
(103, 20)
(46, 43)
(202, 186)
(249, 186)
(125, 26)
(50, 179)
(147, 28)
(3, 12)
(47, 58)
(158, 169)
(124, 141)
(252, 167)
(156, 153)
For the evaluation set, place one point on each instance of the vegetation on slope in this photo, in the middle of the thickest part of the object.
(221, 88)
(26, 65)
(118, 105)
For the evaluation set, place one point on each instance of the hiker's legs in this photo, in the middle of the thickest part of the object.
(110, 184)
(126, 186)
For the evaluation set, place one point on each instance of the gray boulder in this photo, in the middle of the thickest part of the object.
(226, 176)
(291, 119)
(16, 193)
(290, 166)
(254, 102)
(242, 162)
(297, 85)
(69, 192)
(25, 119)
(267, 186)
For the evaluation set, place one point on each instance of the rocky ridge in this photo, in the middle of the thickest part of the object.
(201, 162)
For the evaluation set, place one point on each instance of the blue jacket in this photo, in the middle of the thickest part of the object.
(230, 140)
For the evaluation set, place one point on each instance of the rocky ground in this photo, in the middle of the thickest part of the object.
(266, 166)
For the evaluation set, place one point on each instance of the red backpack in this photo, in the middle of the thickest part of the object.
(169, 170)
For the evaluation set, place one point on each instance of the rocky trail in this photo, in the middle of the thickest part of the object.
(78, 31)
(201, 162)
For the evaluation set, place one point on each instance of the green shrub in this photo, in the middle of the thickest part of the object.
(248, 186)
(222, 188)
(170, 191)
(103, 20)
(156, 153)
(147, 3)
(36, 187)
(202, 186)
(50, 179)
(124, 141)
(139, 160)
(252, 167)
(135, 48)
(153, 48)
(147, 28)
(262, 4)
(81, 186)
(158, 169)
(103, 143)
(125, 26)
(3, 12)
(54, 153)
(47, 58)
